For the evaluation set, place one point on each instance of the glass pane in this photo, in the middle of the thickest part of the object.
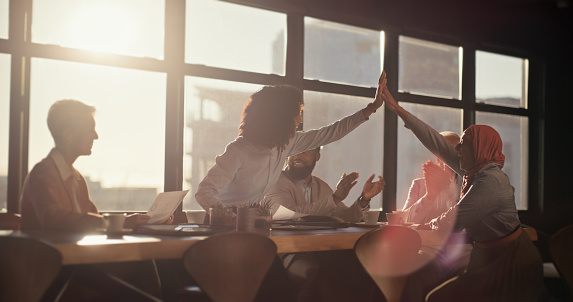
(501, 80)
(4, 14)
(126, 169)
(212, 114)
(349, 154)
(128, 27)
(233, 36)
(514, 135)
(411, 153)
(4, 127)
(429, 68)
(341, 53)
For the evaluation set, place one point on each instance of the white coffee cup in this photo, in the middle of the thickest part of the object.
(395, 218)
(114, 222)
(370, 217)
(195, 217)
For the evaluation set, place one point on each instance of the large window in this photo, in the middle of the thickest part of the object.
(501, 80)
(169, 80)
(221, 34)
(429, 68)
(360, 151)
(341, 53)
(4, 124)
(126, 168)
(127, 27)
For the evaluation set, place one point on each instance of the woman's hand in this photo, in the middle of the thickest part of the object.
(437, 179)
(392, 104)
(379, 99)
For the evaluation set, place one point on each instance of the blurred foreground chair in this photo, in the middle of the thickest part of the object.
(561, 250)
(389, 254)
(10, 221)
(28, 267)
(230, 266)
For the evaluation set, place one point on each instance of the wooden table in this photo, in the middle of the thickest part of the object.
(98, 248)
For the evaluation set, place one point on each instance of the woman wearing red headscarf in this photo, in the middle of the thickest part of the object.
(504, 264)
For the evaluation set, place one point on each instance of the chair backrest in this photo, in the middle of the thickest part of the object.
(9, 221)
(230, 266)
(389, 251)
(388, 255)
(561, 250)
(27, 268)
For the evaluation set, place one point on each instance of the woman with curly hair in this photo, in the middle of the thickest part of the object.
(252, 163)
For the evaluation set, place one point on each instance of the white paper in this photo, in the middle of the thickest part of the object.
(164, 205)
(284, 213)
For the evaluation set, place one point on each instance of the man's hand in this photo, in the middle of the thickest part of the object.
(135, 219)
(344, 186)
(437, 179)
(372, 189)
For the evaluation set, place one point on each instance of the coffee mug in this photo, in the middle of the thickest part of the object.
(370, 217)
(114, 222)
(395, 218)
(195, 217)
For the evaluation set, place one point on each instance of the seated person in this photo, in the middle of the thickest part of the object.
(55, 195)
(437, 191)
(302, 192)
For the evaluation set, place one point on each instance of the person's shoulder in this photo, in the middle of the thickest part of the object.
(492, 173)
(46, 165)
(418, 182)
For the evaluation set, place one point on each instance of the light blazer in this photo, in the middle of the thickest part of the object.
(289, 194)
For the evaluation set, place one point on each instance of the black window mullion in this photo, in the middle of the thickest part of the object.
(390, 161)
(174, 61)
(19, 36)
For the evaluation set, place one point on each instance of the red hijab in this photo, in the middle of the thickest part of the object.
(486, 145)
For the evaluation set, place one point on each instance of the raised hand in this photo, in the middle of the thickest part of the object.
(371, 188)
(379, 100)
(437, 178)
(344, 186)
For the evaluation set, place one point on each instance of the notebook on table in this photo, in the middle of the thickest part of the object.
(180, 229)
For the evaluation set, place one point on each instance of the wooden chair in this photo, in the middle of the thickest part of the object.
(28, 267)
(389, 254)
(10, 221)
(230, 266)
(561, 250)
